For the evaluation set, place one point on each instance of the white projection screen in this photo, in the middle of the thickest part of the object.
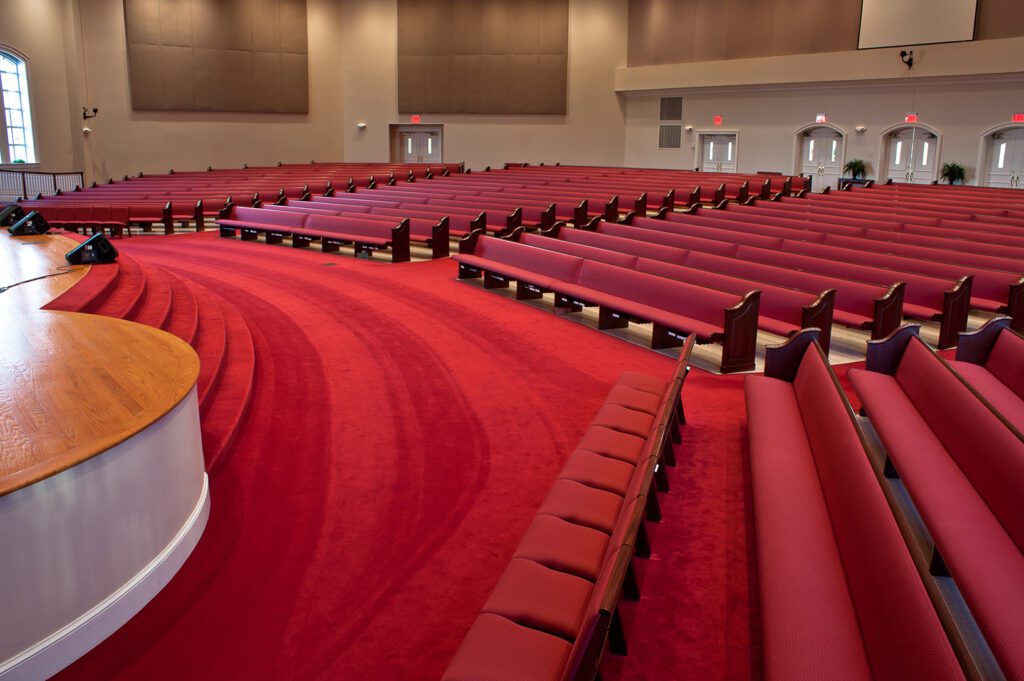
(898, 23)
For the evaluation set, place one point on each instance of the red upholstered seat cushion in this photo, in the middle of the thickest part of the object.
(564, 546)
(536, 596)
(643, 382)
(637, 400)
(624, 420)
(1006, 361)
(989, 453)
(1009, 404)
(800, 572)
(588, 506)
(558, 266)
(901, 633)
(986, 564)
(612, 443)
(597, 470)
(498, 649)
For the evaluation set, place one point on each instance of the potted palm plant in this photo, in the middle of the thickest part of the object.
(952, 172)
(855, 168)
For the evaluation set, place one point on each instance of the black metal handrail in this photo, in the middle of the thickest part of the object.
(24, 184)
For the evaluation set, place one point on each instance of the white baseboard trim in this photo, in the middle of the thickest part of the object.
(64, 646)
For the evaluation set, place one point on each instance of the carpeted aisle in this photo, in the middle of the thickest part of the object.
(403, 429)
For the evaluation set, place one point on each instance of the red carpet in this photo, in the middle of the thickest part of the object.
(403, 429)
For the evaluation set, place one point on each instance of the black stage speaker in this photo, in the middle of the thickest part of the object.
(95, 249)
(10, 214)
(33, 223)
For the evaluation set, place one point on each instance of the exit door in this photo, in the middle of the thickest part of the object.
(718, 154)
(420, 146)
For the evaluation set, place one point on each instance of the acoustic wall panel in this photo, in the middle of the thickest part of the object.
(483, 56)
(217, 55)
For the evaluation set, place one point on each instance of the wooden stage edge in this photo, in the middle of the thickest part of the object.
(73, 385)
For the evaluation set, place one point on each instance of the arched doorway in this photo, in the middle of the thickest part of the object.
(1002, 157)
(820, 154)
(910, 153)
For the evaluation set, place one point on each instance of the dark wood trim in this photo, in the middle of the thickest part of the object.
(580, 214)
(818, 315)
(888, 313)
(627, 219)
(440, 234)
(281, 198)
(766, 189)
(884, 355)
(467, 244)
(782, 361)
(975, 346)
(608, 318)
(548, 217)
(668, 202)
(956, 304)
(744, 192)
(739, 342)
(1015, 305)
(554, 230)
(479, 222)
(719, 194)
(515, 234)
(694, 198)
(640, 205)
(400, 242)
(592, 224)
(721, 205)
(167, 217)
(611, 209)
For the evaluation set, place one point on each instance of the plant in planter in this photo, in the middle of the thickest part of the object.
(855, 168)
(952, 172)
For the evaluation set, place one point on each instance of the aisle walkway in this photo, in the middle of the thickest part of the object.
(403, 429)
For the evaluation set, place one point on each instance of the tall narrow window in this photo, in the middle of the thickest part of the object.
(728, 156)
(17, 121)
(408, 147)
(810, 151)
(711, 151)
(835, 149)
(924, 155)
(899, 152)
(1002, 156)
(430, 145)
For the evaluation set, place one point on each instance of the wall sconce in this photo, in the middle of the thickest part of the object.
(86, 115)
(861, 128)
(688, 129)
(361, 126)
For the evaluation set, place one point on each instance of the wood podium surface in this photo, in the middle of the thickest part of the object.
(73, 385)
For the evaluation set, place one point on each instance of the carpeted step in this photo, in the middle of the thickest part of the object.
(183, 320)
(124, 298)
(226, 403)
(210, 341)
(92, 288)
(155, 306)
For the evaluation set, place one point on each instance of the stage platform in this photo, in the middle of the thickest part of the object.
(103, 492)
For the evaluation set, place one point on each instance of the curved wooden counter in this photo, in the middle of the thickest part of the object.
(74, 385)
(103, 489)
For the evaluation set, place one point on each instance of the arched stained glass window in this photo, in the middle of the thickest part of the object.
(17, 119)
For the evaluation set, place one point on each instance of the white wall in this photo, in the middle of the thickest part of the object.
(767, 118)
(34, 29)
(592, 131)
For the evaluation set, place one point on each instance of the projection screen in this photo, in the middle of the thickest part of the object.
(898, 23)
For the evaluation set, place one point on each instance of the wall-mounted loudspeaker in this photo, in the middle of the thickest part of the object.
(33, 223)
(10, 214)
(95, 249)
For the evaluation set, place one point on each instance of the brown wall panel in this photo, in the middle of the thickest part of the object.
(218, 55)
(483, 56)
(684, 31)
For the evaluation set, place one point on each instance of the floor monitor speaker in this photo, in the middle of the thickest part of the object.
(95, 249)
(33, 223)
(10, 214)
